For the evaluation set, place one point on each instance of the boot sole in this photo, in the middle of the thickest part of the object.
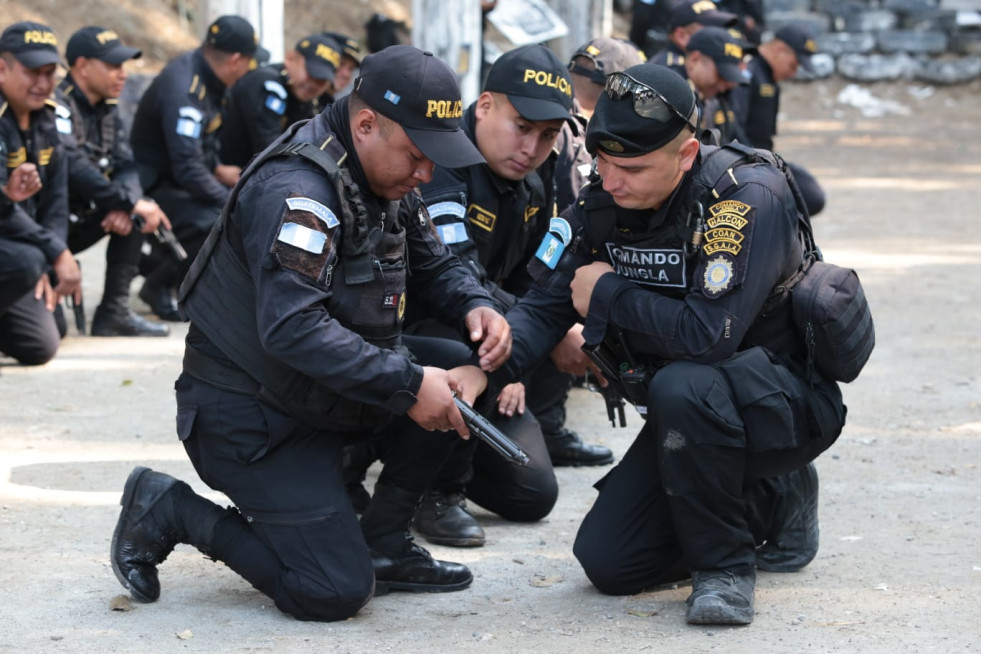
(125, 502)
(454, 542)
(719, 615)
(385, 587)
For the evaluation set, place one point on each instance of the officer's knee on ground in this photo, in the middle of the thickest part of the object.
(322, 603)
(601, 566)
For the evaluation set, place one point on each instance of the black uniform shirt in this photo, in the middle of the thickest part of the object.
(101, 169)
(301, 313)
(669, 303)
(756, 105)
(175, 130)
(259, 108)
(491, 223)
(41, 219)
(673, 57)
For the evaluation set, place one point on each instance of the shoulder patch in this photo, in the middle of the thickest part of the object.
(273, 86)
(63, 119)
(322, 212)
(554, 242)
(189, 122)
(446, 209)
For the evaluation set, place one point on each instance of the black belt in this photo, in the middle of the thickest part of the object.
(221, 375)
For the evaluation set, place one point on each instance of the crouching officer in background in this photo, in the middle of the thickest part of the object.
(674, 296)
(175, 144)
(261, 105)
(104, 192)
(36, 267)
(295, 304)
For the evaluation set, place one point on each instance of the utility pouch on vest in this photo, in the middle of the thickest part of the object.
(831, 313)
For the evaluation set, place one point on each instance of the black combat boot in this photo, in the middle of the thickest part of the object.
(792, 541)
(158, 291)
(721, 597)
(399, 563)
(108, 322)
(113, 316)
(565, 448)
(158, 512)
(443, 519)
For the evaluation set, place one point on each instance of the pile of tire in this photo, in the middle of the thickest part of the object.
(935, 41)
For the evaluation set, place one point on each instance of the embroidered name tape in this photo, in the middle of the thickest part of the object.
(302, 237)
(314, 207)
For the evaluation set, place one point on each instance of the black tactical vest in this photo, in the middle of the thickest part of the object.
(218, 296)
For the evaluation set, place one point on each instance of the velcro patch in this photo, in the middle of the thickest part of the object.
(322, 212)
(481, 217)
(189, 122)
(302, 237)
(452, 233)
(719, 276)
(649, 266)
(550, 250)
(446, 209)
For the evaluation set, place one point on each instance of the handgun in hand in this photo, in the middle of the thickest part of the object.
(481, 427)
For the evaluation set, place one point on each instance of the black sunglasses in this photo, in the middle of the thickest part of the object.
(647, 102)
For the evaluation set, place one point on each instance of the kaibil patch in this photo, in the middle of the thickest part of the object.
(718, 275)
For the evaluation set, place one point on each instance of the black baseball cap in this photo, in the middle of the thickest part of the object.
(801, 40)
(235, 34)
(350, 46)
(724, 48)
(322, 55)
(419, 92)
(32, 44)
(703, 12)
(618, 130)
(535, 82)
(99, 43)
(608, 56)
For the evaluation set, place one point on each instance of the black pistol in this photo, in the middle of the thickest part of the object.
(165, 237)
(480, 427)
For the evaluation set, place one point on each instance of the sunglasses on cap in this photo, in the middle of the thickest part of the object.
(647, 102)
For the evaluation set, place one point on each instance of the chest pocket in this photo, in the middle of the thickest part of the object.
(380, 304)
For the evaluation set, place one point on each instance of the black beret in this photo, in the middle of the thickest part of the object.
(618, 130)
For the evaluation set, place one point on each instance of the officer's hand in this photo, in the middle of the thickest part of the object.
(434, 407)
(568, 356)
(43, 290)
(153, 216)
(512, 400)
(23, 182)
(69, 276)
(227, 175)
(583, 283)
(493, 332)
(117, 222)
(468, 382)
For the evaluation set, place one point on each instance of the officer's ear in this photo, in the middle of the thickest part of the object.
(364, 123)
(484, 105)
(687, 152)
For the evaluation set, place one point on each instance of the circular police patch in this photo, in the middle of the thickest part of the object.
(717, 277)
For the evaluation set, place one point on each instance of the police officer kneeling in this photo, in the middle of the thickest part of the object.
(718, 482)
(295, 303)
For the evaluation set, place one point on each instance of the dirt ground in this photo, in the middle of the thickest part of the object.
(899, 569)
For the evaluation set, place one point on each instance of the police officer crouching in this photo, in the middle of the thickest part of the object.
(261, 105)
(104, 191)
(670, 271)
(295, 303)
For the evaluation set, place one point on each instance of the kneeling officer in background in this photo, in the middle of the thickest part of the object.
(104, 192)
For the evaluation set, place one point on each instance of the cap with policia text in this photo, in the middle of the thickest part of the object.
(800, 39)
(536, 83)
(322, 55)
(620, 129)
(607, 55)
(32, 44)
(350, 47)
(420, 93)
(725, 49)
(703, 12)
(235, 34)
(99, 43)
